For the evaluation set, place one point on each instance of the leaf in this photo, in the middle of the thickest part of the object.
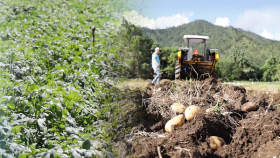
(89, 153)
(7, 97)
(109, 155)
(71, 130)
(43, 95)
(42, 124)
(11, 106)
(6, 130)
(15, 148)
(75, 154)
(31, 80)
(86, 144)
(65, 112)
(16, 129)
(71, 121)
(47, 155)
(6, 155)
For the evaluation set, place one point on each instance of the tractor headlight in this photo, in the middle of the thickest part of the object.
(179, 55)
(216, 57)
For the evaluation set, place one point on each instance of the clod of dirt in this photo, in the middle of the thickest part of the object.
(254, 136)
(175, 122)
(192, 111)
(270, 149)
(178, 108)
(249, 106)
(216, 142)
(210, 110)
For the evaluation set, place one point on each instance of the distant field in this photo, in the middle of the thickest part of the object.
(271, 87)
(133, 83)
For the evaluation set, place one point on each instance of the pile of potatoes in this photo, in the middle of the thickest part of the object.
(190, 112)
(187, 113)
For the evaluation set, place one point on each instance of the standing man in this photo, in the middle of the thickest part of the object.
(156, 65)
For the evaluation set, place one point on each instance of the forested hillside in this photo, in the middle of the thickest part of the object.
(226, 39)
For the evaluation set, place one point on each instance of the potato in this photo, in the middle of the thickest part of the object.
(191, 111)
(216, 142)
(177, 107)
(175, 122)
(249, 106)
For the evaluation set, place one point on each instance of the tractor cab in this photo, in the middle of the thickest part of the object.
(196, 47)
(195, 57)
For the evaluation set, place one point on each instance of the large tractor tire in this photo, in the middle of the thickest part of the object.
(177, 71)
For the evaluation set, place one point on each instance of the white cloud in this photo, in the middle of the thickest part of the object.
(169, 21)
(222, 21)
(160, 22)
(139, 20)
(266, 34)
(277, 36)
(257, 20)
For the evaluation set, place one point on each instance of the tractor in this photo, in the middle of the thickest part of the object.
(192, 64)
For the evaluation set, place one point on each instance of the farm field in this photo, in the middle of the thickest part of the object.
(53, 100)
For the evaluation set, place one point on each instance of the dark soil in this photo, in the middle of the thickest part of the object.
(247, 134)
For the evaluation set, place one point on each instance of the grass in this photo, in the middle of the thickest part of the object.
(135, 83)
(270, 87)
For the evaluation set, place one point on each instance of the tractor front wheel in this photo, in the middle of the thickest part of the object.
(177, 71)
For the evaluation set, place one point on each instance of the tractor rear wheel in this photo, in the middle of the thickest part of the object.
(177, 71)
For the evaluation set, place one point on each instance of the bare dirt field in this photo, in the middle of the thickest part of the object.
(251, 132)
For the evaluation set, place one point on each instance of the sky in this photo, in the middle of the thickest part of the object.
(259, 16)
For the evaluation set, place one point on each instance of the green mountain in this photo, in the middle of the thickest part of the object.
(226, 39)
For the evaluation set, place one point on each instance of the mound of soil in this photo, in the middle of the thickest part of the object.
(252, 138)
(191, 137)
(246, 134)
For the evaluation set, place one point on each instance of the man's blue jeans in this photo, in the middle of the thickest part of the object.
(157, 70)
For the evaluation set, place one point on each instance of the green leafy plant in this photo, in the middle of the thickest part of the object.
(54, 99)
(219, 109)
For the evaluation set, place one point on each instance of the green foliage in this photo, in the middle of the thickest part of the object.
(224, 69)
(271, 69)
(218, 109)
(277, 74)
(168, 58)
(55, 101)
(236, 73)
(134, 51)
(240, 59)
(239, 67)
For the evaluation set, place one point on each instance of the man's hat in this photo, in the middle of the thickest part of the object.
(157, 48)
